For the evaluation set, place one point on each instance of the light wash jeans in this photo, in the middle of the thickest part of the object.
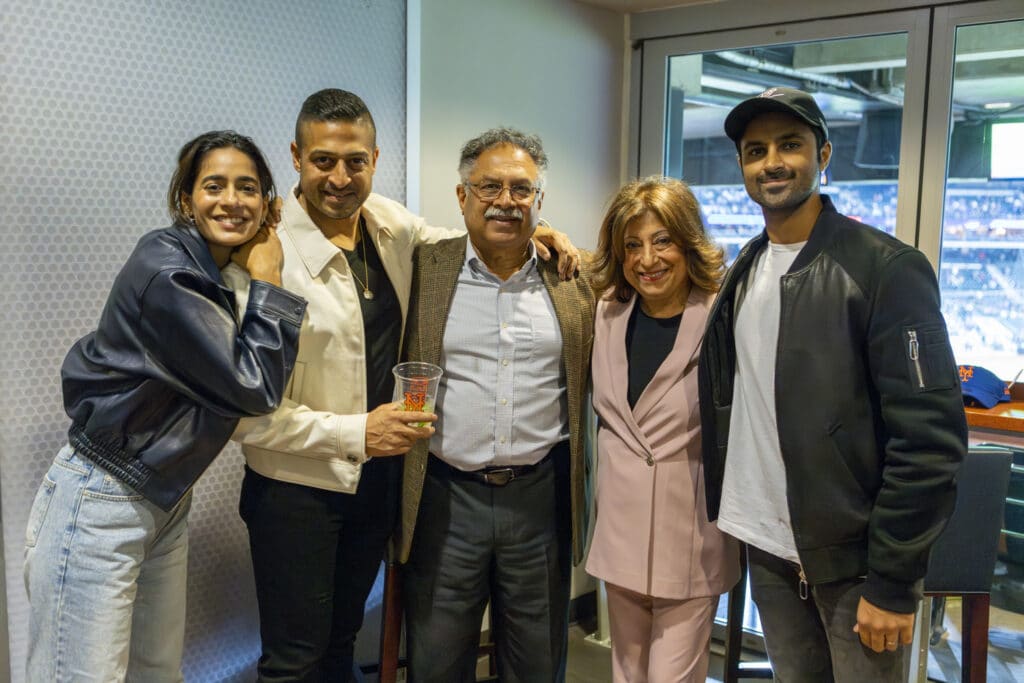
(105, 571)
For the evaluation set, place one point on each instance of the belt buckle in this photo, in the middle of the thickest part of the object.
(500, 476)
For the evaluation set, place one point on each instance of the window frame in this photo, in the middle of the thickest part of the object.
(653, 101)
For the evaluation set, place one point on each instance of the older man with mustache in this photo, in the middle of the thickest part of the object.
(493, 505)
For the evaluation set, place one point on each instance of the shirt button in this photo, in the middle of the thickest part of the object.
(505, 361)
(298, 309)
(504, 325)
(502, 439)
(650, 460)
(504, 401)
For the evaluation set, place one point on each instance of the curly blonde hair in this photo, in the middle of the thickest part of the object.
(672, 202)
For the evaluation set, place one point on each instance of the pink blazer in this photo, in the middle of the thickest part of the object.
(652, 534)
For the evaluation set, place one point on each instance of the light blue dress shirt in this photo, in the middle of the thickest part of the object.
(502, 398)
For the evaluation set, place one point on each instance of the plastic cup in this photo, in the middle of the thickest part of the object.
(416, 386)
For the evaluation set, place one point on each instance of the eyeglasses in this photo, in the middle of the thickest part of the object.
(488, 191)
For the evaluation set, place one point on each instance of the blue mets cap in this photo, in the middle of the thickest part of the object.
(981, 387)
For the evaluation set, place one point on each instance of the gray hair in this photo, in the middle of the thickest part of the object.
(495, 137)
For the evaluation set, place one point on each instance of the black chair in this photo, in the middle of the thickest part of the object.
(962, 563)
(963, 559)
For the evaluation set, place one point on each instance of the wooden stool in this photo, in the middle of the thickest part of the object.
(390, 623)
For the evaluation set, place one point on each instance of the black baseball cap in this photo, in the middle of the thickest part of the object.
(787, 100)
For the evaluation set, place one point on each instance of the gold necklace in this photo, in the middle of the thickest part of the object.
(367, 294)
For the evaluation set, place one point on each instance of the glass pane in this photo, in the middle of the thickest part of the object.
(982, 266)
(857, 82)
(981, 275)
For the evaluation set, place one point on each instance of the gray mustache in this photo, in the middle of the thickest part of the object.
(494, 212)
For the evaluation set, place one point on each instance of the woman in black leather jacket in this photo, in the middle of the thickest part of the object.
(153, 395)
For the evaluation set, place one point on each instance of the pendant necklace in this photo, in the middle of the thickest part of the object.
(367, 294)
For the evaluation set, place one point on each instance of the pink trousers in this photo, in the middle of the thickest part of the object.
(658, 640)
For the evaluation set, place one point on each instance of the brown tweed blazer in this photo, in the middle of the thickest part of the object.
(436, 270)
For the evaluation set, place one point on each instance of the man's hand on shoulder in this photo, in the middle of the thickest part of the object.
(568, 255)
(880, 629)
(390, 430)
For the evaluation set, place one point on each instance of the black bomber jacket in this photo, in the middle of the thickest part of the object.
(869, 411)
(156, 391)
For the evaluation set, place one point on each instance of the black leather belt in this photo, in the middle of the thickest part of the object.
(492, 476)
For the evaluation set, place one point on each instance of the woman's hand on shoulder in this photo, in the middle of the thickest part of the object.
(262, 256)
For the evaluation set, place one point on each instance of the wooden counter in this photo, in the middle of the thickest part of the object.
(1006, 417)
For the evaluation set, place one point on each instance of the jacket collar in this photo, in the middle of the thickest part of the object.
(315, 250)
(195, 246)
(677, 363)
(474, 262)
(820, 237)
(197, 249)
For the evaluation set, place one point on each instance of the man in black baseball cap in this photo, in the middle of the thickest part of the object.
(831, 413)
(785, 100)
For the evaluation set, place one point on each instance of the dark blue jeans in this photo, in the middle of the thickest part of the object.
(812, 640)
(315, 556)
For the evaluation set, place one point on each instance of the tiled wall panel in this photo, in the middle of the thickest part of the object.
(95, 100)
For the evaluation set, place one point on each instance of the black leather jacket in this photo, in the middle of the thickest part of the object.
(156, 391)
(869, 412)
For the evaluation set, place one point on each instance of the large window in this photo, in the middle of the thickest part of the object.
(957, 193)
(859, 84)
(926, 113)
(982, 266)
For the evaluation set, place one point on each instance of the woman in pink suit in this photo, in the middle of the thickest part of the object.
(663, 562)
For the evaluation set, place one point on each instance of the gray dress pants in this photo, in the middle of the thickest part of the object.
(476, 542)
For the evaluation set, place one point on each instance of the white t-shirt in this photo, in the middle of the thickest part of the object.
(754, 507)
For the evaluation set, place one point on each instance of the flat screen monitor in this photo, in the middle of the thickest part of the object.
(1007, 145)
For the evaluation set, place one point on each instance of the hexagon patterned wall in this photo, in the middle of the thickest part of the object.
(97, 97)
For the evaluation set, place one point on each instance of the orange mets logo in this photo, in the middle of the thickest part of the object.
(416, 397)
(966, 372)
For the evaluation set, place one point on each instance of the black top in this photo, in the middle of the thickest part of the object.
(648, 342)
(382, 319)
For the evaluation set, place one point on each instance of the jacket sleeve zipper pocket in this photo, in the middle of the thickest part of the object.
(914, 352)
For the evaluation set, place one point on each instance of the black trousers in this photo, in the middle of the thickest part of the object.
(510, 544)
(315, 556)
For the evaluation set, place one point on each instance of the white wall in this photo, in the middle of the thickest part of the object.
(550, 67)
(97, 99)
